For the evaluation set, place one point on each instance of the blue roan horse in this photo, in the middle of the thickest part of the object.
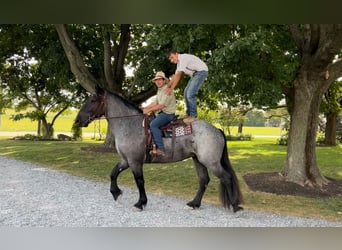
(206, 146)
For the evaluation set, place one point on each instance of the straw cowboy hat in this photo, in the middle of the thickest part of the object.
(160, 75)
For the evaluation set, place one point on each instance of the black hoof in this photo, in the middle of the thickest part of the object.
(193, 205)
(237, 208)
(140, 205)
(137, 209)
(116, 194)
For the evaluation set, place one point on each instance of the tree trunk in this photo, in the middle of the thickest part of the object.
(330, 129)
(109, 141)
(301, 166)
(294, 170)
(240, 127)
(47, 129)
(317, 46)
(39, 127)
(314, 176)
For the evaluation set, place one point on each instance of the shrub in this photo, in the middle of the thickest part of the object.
(239, 137)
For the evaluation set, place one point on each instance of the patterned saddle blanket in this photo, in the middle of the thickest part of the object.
(176, 128)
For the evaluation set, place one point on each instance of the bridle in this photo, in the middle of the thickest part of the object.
(99, 109)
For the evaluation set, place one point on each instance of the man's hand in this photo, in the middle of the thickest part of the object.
(168, 91)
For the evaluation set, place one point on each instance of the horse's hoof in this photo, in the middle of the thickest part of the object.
(116, 195)
(137, 209)
(238, 208)
(139, 206)
(187, 207)
(118, 199)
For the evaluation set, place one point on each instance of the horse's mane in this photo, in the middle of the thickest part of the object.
(127, 102)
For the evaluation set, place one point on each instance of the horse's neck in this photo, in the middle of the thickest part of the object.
(117, 108)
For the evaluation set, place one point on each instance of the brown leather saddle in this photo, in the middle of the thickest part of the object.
(171, 130)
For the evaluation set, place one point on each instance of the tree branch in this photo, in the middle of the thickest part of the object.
(120, 52)
(78, 68)
(124, 42)
(144, 95)
(314, 37)
(58, 114)
(297, 36)
(107, 59)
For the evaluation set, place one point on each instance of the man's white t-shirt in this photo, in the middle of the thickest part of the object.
(190, 64)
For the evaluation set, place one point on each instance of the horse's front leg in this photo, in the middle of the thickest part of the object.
(139, 180)
(114, 189)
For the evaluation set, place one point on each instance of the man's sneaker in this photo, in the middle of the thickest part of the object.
(189, 119)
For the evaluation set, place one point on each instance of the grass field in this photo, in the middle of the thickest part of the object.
(180, 179)
(65, 121)
(62, 124)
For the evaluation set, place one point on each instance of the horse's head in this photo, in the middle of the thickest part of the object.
(94, 108)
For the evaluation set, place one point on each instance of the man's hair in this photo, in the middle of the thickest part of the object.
(173, 51)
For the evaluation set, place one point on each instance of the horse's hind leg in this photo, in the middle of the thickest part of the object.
(114, 189)
(203, 176)
(229, 190)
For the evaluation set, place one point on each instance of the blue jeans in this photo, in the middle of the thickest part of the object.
(161, 120)
(191, 90)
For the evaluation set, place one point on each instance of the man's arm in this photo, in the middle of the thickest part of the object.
(153, 107)
(174, 81)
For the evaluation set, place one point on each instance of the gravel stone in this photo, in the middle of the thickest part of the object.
(34, 196)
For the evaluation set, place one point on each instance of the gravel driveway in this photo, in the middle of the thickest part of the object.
(34, 196)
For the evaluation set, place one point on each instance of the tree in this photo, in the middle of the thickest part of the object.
(331, 108)
(35, 73)
(263, 63)
(94, 67)
(255, 118)
(317, 47)
(27, 84)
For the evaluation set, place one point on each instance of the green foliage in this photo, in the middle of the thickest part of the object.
(35, 73)
(320, 139)
(76, 132)
(249, 67)
(278, 117)
(283, 140)
(239, 137)
(329, 102)
(255, 118)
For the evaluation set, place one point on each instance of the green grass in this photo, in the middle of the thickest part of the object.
(267, 131)
(180, 179)
(62, 124)
(65, 121)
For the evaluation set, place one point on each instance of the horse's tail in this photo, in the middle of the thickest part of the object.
(230, 194)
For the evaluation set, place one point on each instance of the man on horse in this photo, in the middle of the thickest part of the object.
(197, 70)
(166, 106)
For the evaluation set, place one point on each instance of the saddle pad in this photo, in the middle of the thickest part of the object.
(183, 130)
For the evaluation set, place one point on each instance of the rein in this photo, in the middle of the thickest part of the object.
(123, 116)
